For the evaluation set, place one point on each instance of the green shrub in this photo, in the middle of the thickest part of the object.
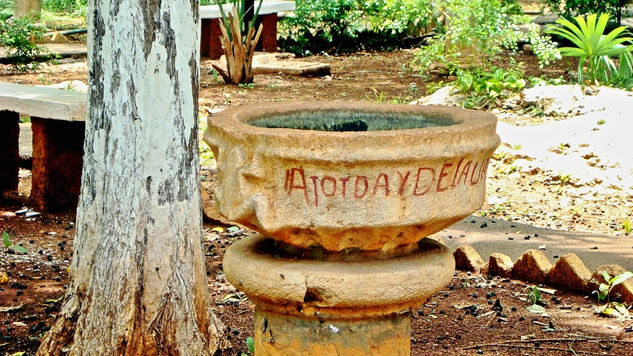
(405, 17)
(20, 36)
(573, 8)
(6, 9)
(477, 31)
(594, 49)
(482, 87)
(64, 6)
(319, 25)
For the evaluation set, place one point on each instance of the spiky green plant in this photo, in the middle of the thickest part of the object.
(594, 48)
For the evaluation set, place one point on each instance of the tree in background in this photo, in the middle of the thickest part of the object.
(139, 285)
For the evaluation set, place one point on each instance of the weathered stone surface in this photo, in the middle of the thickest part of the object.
(358, 284)
(468, 259)
(298, 336)
(623, 292)
(264, 63)
(570, 273)
(43, 102)
(58, 37)
(336, 189)
(446, 96)
(500, 265)
(532, 266)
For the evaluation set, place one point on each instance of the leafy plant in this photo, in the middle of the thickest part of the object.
(594, 48)
(626, 225)
(20, 36)
(534, 295)
(64, 6)
(483, 86)
(604, 289)
(8, 245)
(250, 345)
(320, 24)
(475, 32)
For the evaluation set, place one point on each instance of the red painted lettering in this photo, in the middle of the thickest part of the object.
(456, 171)
(417, 181)
(333, 187)
(292, 184)
(442, 176)
(344, 184)
(365, 182)
(384, 185)
(403, 181)
(316, 191)
(464, 173)
(472, 174)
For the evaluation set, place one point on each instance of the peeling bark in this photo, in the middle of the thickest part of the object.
(139, 283)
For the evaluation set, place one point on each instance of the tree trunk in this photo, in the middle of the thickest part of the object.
(25, 7)
(139, 283)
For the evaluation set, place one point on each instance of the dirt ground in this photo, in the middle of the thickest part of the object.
(460, 320)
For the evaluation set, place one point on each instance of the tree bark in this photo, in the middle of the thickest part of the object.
(139, 283)
(26, 7)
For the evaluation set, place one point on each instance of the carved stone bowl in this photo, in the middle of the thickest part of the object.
(350, 175)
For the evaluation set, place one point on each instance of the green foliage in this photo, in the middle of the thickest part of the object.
(6, 9)
(534, 295)
(604, 290)
(594, 49)
(398, 16)
(477, 31)
(250, 345)
(8, 245)
(65, 6)
(20, 36)
(626, 225)
(320, 25)
(573, 8)
(483, 86)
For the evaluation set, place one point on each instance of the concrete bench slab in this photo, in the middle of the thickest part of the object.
(210, 45)
(58, 126)
(49, 103)
(268, 7)
(266, 63)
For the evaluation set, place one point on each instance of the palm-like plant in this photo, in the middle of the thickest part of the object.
(595, 47)
(239, 39)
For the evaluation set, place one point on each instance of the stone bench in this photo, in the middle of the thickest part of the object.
(210, 45)
(58, 124)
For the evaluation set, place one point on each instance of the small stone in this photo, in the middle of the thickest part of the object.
(483, 225)
(570, 273)
(468, 259)
(527, 48)
(542, 247)
(59, 38)
(499, 265)
(594, 247)
(532, 266)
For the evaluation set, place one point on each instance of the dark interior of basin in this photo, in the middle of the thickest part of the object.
(347, 120)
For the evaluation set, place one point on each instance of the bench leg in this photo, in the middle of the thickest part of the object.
(210, 44)
(268, 40)
(9, 150)
(57, 163)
